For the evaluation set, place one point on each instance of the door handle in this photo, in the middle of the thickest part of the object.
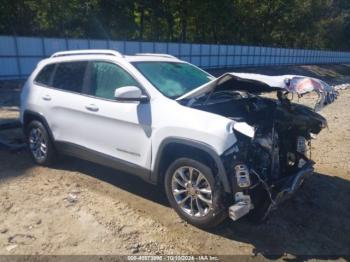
(92, 107)
(46, 97)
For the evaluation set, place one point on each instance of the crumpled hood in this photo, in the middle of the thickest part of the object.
(257, 83)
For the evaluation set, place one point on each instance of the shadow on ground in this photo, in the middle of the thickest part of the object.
(314, 223)
(10, 93)
(122, 180)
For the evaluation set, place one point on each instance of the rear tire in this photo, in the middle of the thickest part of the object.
(39, 143)
(192, 191)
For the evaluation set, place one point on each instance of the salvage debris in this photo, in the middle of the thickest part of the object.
(72, 198)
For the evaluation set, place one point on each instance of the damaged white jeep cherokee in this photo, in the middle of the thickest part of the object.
(215, 144)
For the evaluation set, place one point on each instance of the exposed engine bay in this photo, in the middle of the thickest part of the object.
(272, 155)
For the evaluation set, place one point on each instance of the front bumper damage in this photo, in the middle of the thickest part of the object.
(278, 192)
(291, 184)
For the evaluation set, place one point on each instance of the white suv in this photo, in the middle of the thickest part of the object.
(216, 146)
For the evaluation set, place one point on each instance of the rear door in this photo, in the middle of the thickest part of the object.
(65, 102)
(40, 97)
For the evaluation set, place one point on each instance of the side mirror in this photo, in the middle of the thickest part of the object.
(130, 93)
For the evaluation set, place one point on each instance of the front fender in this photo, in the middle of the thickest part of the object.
(155, 173)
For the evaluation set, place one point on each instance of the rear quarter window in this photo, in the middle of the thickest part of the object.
(44, 76)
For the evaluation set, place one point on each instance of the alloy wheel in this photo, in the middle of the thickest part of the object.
(192, 191)
(37, 144)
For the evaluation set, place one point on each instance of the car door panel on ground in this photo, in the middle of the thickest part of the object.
(96, 121)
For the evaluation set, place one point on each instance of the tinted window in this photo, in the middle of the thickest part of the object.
(44, 76)
(106, 77)
(70, 76)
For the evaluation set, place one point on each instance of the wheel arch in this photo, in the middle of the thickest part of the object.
(173, 148)
(29, 116)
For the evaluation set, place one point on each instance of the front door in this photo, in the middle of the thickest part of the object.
(121, 130)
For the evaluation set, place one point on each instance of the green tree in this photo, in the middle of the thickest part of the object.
(285, 23)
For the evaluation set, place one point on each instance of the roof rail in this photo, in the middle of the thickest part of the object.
(161, 55)
(88, 52)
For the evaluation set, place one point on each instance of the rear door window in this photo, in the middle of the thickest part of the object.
(106, 77)
(44, 77)
(69, 76)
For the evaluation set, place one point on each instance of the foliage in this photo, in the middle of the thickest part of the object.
(285, 23)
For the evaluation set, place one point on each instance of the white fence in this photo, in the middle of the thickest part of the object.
(19, 55)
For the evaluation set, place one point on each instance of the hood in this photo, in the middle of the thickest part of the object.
(257, 83)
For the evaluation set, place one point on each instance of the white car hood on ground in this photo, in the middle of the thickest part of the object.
(296, 84)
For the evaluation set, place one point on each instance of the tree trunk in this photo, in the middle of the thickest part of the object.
(142, 16)
(183, 17)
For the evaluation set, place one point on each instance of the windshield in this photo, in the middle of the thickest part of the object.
(173, 79)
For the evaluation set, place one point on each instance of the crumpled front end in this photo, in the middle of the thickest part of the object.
(272, 155)
(263, 174)
(271, 158)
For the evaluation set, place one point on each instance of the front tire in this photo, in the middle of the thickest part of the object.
(39, 143)
(192, 191)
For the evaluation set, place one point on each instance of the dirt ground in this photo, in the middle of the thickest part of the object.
(77, 207)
